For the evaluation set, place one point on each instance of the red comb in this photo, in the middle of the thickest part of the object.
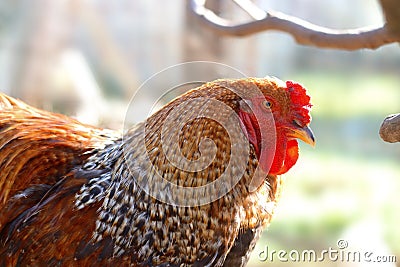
(300, 100)
(298, 94)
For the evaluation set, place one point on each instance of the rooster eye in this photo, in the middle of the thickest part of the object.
(267, 104)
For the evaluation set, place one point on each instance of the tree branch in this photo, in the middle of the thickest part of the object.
(391, 10)
(306, 33)
(251, 9)
(303, 32)
(390, 129)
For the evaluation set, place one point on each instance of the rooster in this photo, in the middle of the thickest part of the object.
(77, 195)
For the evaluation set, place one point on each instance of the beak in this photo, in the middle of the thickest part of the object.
(305, 134)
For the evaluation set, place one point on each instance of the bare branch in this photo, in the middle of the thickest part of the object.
(303, 32)
(391, 10)
(390, 129)
(253, 10)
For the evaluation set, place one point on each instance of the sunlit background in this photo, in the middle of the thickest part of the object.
(87, 58)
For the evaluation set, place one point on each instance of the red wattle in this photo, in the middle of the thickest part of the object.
(291, 156)
(279, 157)
(286, 155)
(273, 161)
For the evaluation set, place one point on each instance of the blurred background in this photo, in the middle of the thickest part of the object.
(87, 58)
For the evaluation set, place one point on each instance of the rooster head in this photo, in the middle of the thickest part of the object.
(272, 115)
(285, 106)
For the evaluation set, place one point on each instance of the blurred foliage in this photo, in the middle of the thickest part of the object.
(351, 93)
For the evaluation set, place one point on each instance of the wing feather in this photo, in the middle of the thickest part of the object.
(38, 148)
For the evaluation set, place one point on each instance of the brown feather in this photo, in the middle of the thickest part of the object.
(76, 195)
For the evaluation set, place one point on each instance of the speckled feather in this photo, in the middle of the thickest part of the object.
(76, 195)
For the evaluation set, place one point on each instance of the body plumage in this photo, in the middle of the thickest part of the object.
(73, 194)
